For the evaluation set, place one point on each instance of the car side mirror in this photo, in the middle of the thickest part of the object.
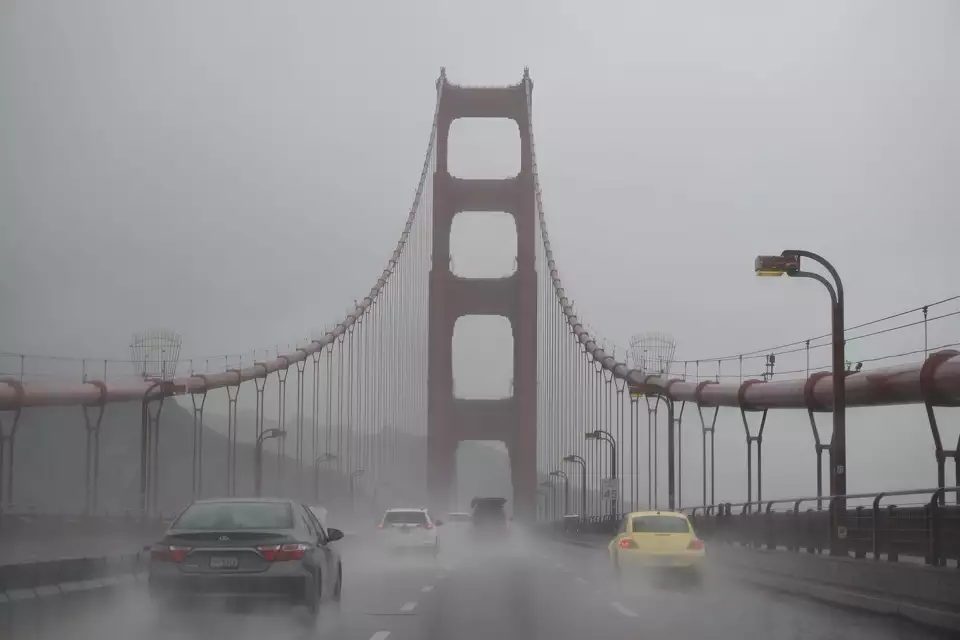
(334, 534)
(439, 523)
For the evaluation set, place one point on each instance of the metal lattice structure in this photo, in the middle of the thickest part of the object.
(155, 354)
(652, 353)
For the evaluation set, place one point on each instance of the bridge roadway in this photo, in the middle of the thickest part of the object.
(532, 589)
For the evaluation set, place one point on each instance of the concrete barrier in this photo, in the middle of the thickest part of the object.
(29, 581)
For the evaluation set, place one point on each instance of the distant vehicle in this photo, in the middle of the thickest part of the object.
(262, 548)
(489, 516)
(411, 530)
(662, 540)
(459, 519)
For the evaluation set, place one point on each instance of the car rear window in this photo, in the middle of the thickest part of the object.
(660, 524)
(458, 517)
(236, 516)
(405, 517)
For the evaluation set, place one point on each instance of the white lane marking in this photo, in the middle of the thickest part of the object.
(581, 580)
(558, 565)
(380, 635)
(427, 589)
(410, 606)
(622, 609)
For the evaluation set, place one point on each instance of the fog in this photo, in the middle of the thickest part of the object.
(240, 171)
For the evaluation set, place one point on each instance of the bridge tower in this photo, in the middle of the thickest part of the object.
(511, 420)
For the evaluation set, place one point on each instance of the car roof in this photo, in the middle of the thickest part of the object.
(264, 500)
(673, 514)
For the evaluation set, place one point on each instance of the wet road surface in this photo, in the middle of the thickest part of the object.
(529, 590)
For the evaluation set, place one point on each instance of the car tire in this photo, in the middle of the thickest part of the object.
(338, 588)
(312, 596)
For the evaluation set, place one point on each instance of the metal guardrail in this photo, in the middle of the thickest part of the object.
(928, 530)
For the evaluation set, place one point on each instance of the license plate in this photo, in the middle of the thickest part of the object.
(223, 562)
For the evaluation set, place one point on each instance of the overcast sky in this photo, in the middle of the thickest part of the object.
(239, 171)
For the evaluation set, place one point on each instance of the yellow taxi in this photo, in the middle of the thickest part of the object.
(657, 539)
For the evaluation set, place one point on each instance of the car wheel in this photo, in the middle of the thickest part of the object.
(338, 588)
(311, 597)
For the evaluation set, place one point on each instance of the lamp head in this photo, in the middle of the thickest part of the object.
(776, 265)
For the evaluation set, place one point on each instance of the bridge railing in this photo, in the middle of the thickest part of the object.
(927, 529)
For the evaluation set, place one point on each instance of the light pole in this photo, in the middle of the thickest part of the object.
(266, 435)
(323, 457)
(788, 263)
(566, 489)
(599, 434)
(583, 492)
(549, 506)
(353, 475)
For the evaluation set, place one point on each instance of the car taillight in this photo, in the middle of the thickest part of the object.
(283, 552)
(428, 526)
(695, 545)
(627, 543)
(164, 553)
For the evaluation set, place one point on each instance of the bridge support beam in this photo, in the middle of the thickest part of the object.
(511, 420)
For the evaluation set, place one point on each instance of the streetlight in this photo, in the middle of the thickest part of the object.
(606, 437)
(323, 457)
(566, 489)
(583, 493)
(788, 263)
(266, 435)
(548, 494)
(354, 474)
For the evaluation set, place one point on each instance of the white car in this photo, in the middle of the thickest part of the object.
(459, 520)
(411, 530)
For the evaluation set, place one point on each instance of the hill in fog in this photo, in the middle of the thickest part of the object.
(49, 466)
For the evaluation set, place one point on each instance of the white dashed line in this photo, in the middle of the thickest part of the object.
(581, 580)
(410, 606)
(427, 589)
(380, 635)
(622, 609)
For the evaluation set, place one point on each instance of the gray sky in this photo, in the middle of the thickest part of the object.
(240, 170)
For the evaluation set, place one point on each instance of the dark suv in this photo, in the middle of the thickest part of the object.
(489, 516)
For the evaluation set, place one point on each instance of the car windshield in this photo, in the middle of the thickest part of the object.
(405, 517)
(458, 517)
(236, 516)
(660, 524)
